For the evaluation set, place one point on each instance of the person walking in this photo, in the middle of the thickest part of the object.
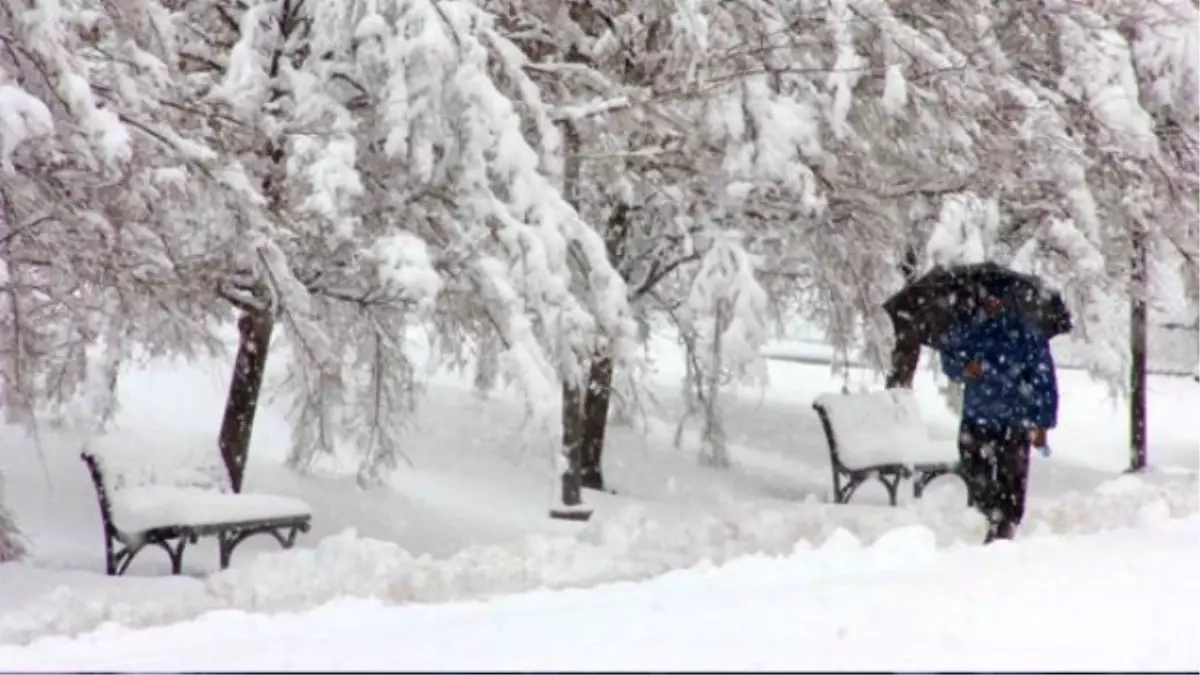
(1010, 401)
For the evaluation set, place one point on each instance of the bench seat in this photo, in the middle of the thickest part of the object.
(139, 509)
(880, 435)
(168, 501)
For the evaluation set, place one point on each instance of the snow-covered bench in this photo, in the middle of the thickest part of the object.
(881, 435)
(172, 499)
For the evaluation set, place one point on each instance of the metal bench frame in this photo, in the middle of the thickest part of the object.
(120, 549)
(889, 474)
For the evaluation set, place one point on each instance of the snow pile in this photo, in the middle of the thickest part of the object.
(1126, 501)
(682, 539)
(632, 544)
(845, 606)
(64, 611)
(344, 564)
(347, 565)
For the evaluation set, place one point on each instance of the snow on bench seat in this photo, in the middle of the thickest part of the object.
(168, 494)
(881, 435)
(138, 509)
(882, 427)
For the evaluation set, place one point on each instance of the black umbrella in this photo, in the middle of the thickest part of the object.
(925, 309)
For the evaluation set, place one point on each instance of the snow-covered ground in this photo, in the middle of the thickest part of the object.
(1121, 600)
(468, 521)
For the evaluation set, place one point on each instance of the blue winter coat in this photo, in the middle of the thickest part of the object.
(1018, 387)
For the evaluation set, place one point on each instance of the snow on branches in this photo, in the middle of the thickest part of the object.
(22, 117)
(527, 178)
(393, 127)
(351, 169)
(725, 326)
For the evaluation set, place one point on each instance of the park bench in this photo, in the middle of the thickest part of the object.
(173, 500)
(880, 435)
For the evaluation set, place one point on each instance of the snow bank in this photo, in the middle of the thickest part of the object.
(1127, 501)
(64, 611)
(631, 544)
(1082, 604)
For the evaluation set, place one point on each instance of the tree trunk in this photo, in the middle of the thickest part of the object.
(600, 376)
(906, 353)
(572, 446)
(595, 420)
(692, 385)
(254, 340)
(1137, 350)
(487, 366)
(571, 496)
(713, 450)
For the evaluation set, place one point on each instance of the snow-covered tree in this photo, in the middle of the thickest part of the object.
(399, 188)
(1077, 121)
(681, 129)
(945, 99)
(95, 204)
(94, 201)
(527, 179)
(344, 171)
(725, 327)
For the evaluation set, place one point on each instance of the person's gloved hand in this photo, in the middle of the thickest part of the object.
(973, 370)
(1037, 438)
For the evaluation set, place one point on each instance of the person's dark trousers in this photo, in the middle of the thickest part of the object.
(995, 466)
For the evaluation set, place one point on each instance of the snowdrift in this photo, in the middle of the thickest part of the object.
(628, 544)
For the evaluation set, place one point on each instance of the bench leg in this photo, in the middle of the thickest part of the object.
(922, 481)
(118, 562)
(926, 477)
(227, 541)
(891, 482)
(121, 559)
(110, 557)
(843, 495)
(290, 540)
(176, 555)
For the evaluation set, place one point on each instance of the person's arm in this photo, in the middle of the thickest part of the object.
(952, 355)
(1042, 411)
